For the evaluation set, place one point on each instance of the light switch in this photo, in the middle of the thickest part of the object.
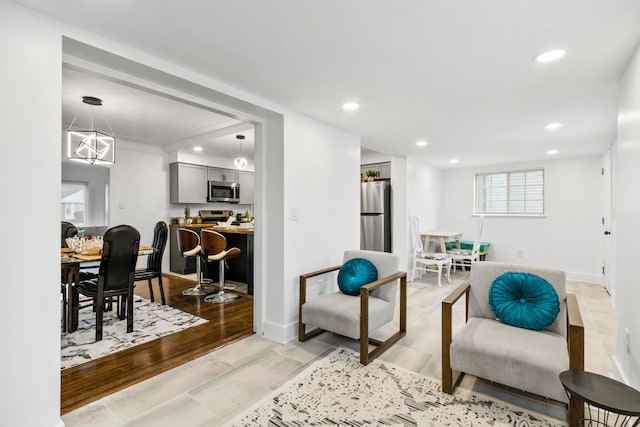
(294, 214)
(120, 205)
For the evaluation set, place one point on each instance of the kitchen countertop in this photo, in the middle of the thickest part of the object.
(221, 229)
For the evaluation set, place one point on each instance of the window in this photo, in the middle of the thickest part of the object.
(74, 203)
(510, 193)
(85, 194)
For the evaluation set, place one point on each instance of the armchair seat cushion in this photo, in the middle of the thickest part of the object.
(519, 358)
(346, 320)
(460, 252)
(434, 256)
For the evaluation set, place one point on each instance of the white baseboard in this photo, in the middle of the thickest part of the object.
(584, 277)
(280, 333)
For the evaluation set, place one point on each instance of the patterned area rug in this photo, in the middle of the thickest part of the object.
(339, 391)
(150, 321)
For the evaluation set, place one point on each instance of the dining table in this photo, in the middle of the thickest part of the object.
(442, 237)
(70, 263)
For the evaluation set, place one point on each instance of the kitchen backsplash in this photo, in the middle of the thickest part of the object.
(177, 210)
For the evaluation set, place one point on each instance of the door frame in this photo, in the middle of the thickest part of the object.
(608, 222)
(269, 137)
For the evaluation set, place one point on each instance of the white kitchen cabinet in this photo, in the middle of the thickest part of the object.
(383, 169)
(247, 187)
(222, 175)
(188, 183)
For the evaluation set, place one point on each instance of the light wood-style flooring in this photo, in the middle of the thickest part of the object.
(219, 386)
(228, 322)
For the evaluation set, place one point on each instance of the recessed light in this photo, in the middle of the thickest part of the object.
(421, 143)
(552, 126)
(549, 56)
(453, 161)
(350, 106)
(552, 152)
(197, 148)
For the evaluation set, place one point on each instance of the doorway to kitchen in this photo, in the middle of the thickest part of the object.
(140, 160)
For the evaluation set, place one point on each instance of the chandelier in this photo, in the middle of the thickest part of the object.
(91, 146)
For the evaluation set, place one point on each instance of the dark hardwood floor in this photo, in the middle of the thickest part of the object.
(228, 322)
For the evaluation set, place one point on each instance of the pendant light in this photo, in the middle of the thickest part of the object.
(240, 162)
(91, 146)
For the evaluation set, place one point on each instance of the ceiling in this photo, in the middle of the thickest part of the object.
(458, 74)
(139, 116)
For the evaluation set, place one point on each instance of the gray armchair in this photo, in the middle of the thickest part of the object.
(357, 316)
(524, 359)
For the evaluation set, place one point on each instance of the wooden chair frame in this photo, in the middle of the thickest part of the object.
(575, 339)
(365, 340)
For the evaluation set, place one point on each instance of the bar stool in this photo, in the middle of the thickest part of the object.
(189, 246)
(214, 247)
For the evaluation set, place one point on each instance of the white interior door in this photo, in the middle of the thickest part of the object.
(608, 235)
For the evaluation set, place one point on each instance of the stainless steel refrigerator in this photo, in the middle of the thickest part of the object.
(375, 216)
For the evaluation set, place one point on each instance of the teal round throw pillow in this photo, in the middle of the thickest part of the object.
(524, 300)
(356, 273)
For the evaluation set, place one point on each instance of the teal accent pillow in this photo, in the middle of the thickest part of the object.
(356, 273)
(524, 300)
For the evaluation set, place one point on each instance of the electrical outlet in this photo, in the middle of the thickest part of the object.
(627, 340)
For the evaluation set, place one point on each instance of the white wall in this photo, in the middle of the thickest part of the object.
(139, 191)
(424, 188)
(626, 198)
(569, 237)
(399, 218)
(322, 185)
(424, 195)
(30, 111)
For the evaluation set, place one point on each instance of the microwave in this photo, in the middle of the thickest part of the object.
(221, 191)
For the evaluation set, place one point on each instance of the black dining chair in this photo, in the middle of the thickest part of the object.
(116, 276)
(70, 230)
(67, 230)
(154, 260)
